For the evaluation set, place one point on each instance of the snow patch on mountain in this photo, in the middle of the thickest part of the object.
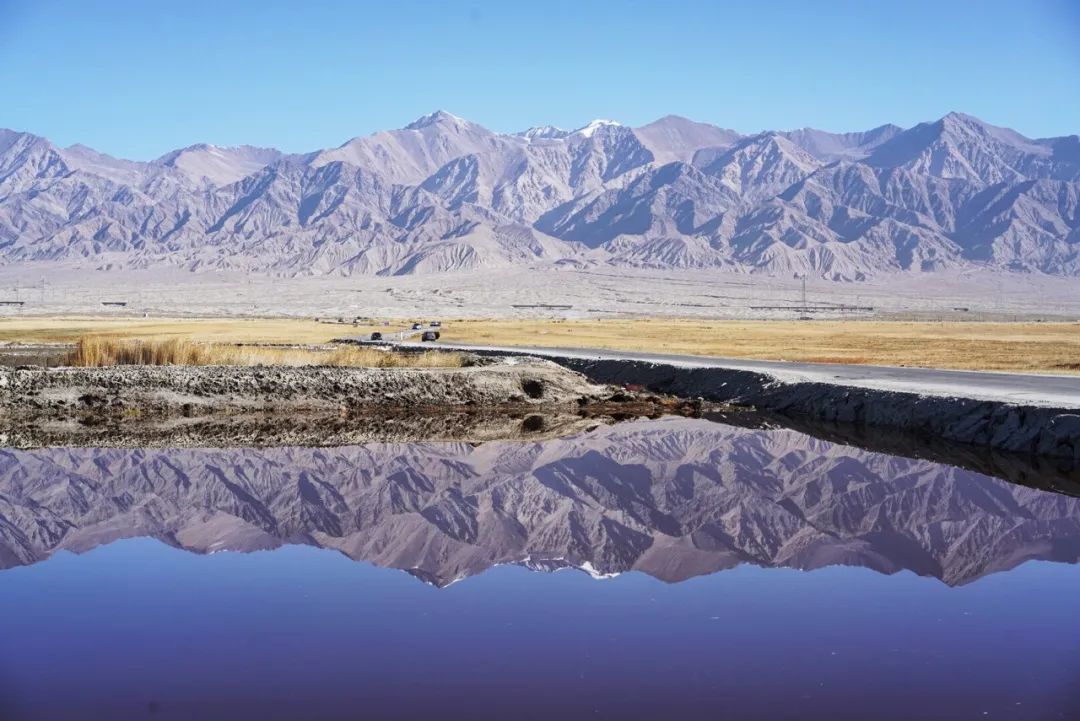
(592, 126)
(544, 132)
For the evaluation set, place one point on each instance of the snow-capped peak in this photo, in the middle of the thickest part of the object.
(595, 125)
(433, 118)
(543, 132)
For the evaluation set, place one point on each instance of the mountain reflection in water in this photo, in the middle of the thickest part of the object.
(673, 498)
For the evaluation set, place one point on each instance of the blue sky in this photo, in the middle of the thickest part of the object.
(136, 79)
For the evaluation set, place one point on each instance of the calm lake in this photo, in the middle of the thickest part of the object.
(654, 569)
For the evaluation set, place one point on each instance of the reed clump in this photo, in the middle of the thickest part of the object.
(102, 352)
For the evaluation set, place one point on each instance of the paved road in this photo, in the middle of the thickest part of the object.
(1024, 388)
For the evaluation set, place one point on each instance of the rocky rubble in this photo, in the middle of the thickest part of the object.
(313, 405)
(207, 388)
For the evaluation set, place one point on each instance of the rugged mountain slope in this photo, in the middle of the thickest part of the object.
(26, 160)
(410, 155)
(213, 166)
(841, 146)
(675, 138)
(962, 147)
(674, 498)
(759, 167)
(444, 194)
(672, 200)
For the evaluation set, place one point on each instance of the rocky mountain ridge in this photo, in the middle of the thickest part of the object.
(447, 194)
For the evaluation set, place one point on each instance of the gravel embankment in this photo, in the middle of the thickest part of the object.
(1016, 428)
(264, 405)
(198, 389)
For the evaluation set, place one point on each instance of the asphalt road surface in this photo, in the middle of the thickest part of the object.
(1059, 391)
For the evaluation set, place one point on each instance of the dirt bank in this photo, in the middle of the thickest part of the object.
(218, 388)
(1044, 431)
(264, 405)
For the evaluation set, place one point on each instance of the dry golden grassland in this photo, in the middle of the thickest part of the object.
(97, 352)
(222, 330)
(1043, 347)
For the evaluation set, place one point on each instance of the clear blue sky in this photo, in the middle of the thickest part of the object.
(137, 78)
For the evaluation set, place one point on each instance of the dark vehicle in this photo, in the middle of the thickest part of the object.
(416, 326)
(376, 336)
(430, 335)
(436, 324)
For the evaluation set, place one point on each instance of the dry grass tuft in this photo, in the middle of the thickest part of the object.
(100, 352)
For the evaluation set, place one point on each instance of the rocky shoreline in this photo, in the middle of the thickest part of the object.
(1035, 430)
(307, 405)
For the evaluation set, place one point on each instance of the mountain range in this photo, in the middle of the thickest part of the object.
(447, 194)
(674, 498)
